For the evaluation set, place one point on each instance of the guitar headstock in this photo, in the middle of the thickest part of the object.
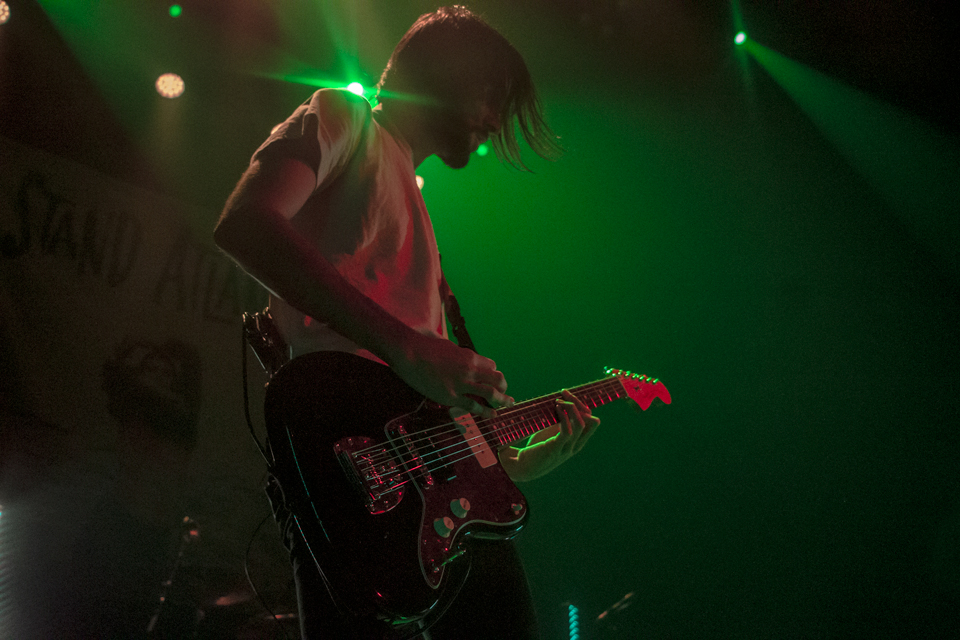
(641, 389)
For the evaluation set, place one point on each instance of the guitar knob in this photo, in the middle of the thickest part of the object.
(443, 526)
(460, 507)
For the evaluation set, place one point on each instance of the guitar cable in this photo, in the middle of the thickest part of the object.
(246, 397)
(246, 571)
(266, 458)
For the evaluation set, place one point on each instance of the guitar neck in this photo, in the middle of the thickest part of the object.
(527, 418)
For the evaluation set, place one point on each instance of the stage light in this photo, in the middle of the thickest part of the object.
(420, 182)
(483, 149)
(740, 38)
(175, 10)
(355, 87)
(4, 12)
(170, 85)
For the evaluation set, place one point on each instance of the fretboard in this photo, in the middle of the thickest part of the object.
(527, 418)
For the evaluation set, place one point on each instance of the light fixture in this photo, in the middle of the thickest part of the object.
(170, 85)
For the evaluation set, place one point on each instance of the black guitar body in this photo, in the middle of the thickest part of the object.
(384, 485)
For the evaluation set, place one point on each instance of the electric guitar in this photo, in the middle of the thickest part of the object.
(388, 489)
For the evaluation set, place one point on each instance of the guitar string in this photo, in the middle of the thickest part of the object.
(544, 417)
(511, 422)
(468, 453)
(547, 418)
(399, 485)
(409, 472)
(448, 432)
(511, 413)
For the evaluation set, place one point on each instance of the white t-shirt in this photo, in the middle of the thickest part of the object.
(366, 216)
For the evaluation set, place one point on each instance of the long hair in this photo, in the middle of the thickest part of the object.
(452, 53)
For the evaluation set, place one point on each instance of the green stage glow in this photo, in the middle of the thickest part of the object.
(175, 10)
(740, 38)
(483, 149)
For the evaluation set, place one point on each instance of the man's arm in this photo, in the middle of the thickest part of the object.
(255, 231)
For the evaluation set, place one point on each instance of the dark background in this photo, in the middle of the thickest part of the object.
(702, 227)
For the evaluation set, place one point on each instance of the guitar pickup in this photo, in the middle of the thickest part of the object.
(409, 452)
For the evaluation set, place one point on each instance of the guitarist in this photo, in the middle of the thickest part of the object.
(329, 218)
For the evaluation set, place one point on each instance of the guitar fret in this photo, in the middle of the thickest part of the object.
(540, 414)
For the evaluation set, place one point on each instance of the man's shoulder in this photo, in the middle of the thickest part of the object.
(339, 102)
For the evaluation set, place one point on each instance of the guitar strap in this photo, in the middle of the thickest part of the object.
(272, 351)
(452, 307)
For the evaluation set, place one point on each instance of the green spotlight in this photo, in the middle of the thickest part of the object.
(483, 149)
(175, 10)
(355, 87)
(740, 38)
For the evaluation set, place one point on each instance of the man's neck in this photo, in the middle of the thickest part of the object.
(406, 126)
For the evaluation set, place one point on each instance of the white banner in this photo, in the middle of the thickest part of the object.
(121, 398)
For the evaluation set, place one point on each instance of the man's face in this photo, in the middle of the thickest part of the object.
(461, 128)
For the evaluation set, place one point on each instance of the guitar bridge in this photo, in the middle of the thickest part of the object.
(372, 471)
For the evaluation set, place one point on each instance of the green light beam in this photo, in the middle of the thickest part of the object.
(309, 81)
(914, 167)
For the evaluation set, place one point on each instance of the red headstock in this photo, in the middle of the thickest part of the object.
(641, 389)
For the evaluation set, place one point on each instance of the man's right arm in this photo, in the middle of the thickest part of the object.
(255, 230)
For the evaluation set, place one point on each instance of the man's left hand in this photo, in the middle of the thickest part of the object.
(552, 447)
